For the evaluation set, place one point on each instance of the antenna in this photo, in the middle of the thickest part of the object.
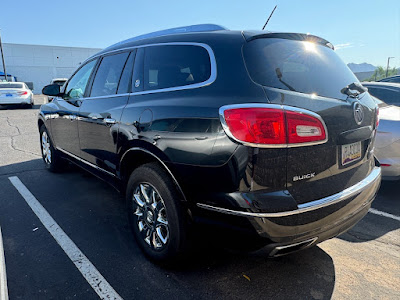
(269, 17)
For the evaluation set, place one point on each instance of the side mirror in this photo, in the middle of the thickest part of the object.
(51, 90)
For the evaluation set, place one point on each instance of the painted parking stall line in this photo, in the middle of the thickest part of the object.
(82, 263)
(3, 274)
(383, 214)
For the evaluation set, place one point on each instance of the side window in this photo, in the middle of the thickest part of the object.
(175, 65)
(108, 75)
(76, 86)
(124, 83)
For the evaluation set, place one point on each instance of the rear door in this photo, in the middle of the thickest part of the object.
(100, 113)
(309, 75)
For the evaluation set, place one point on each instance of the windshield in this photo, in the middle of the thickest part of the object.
(10, 86)
(298, 66)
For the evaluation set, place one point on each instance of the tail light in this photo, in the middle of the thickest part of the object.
(377, 117)
(22, 93)
(272, 125)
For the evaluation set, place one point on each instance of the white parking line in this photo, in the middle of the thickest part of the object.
(3, 276)
(383, 214)
(87, 269)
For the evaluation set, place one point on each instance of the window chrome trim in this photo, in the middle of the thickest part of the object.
(85, 161)
(209, 81)
(106, 96)
(370, 180)
(274, 106)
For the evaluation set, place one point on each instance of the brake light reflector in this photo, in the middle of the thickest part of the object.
(22, 93)
(377, 117)
(278, 125)
(257, 125)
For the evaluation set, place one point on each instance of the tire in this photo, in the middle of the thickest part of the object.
(158, 222)
(51, 157)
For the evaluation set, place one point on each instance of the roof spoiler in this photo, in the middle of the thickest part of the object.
(251, 35)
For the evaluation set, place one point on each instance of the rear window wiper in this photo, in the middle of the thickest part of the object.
(279, 75)
(354, 89)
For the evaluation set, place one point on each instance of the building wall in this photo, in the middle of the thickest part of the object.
(40, 64)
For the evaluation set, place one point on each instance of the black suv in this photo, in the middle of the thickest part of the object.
(270, 133)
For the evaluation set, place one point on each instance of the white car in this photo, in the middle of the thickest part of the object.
(15, 93)
(387, 143)
(58, 81)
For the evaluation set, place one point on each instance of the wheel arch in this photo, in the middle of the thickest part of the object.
(40, 122)
(137, 156)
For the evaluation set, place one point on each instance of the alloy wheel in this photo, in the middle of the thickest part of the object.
(151, 217)
(46, 151)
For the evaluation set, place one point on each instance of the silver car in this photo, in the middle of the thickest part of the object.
(387, 144)
(15, 93)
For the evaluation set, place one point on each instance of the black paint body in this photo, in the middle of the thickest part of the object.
(182, 130)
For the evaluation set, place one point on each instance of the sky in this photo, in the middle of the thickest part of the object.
(362, 31)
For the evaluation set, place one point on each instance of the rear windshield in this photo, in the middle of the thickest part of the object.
(10, 86)
(298, 66)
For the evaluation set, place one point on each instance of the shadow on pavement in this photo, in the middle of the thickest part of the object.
(302, 275)
(19, 107)
(373, 226)
(93, 215)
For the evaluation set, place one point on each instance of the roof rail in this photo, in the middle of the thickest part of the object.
(184, 29)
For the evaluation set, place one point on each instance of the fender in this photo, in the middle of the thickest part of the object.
(160, 161)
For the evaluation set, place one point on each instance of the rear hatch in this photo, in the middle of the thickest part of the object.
(304, 72)
(10, 89)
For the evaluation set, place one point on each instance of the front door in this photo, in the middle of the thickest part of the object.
(64, 124)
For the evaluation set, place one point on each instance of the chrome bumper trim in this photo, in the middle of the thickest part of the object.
(374, 176)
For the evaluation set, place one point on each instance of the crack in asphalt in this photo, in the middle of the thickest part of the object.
(12, 137)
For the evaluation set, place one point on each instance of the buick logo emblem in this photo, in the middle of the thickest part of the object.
(358, 113)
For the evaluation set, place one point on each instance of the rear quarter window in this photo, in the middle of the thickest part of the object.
(175, 66)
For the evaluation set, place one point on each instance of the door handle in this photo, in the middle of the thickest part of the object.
(201, 138)
(95, 116)
(110, 121)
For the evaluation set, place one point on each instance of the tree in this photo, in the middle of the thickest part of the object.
(380, 73)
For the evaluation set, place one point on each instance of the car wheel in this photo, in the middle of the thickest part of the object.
(51, 157)
(155, 213)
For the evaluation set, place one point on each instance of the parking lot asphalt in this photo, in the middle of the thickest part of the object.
(362, 263)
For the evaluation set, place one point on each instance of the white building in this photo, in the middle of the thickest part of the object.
(39, 64)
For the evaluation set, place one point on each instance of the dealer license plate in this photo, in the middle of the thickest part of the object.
(351, 153)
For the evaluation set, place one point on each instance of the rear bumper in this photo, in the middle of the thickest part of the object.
(14, 100)
(315, 221)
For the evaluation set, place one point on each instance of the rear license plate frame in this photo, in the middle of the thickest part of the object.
(351, 153)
